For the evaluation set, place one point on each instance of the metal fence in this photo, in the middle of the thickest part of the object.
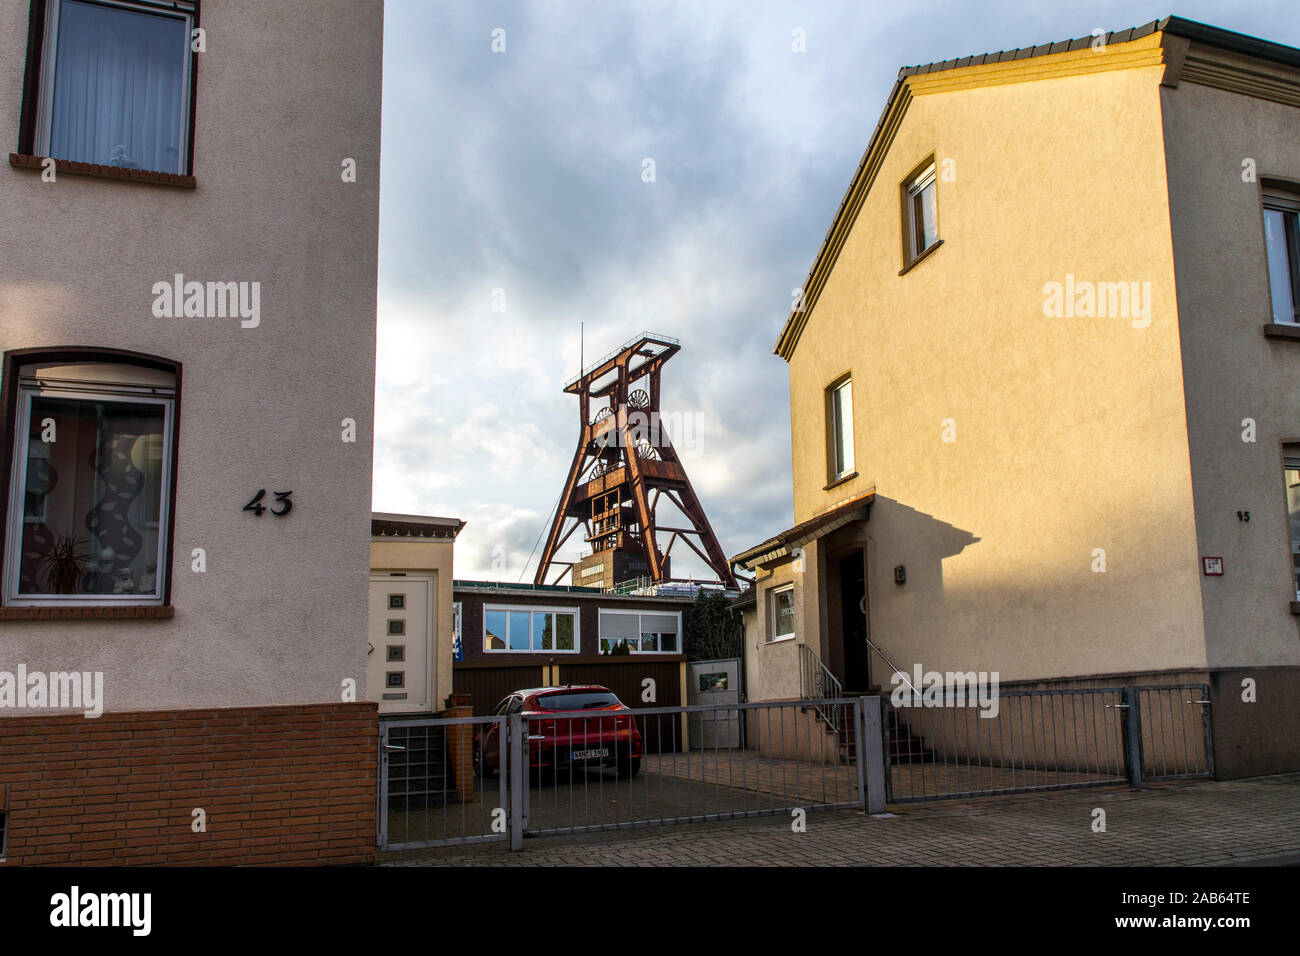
(599, 772)
(474, 779)
(448, 781)
(948, 746)
(1174, 731)
(436, 786)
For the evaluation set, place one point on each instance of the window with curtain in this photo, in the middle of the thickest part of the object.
(115, 84)
(1282, 240)
(90, 487)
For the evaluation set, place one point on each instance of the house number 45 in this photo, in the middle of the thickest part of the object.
(281, 498)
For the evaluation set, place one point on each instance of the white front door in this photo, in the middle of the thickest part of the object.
(400, 661)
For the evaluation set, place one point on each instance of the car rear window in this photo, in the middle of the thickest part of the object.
(578, 700)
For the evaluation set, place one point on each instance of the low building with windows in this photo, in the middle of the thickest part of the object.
(516, 636)
(187, 359)
(1042, 388)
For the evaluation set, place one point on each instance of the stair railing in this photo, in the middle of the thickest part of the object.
(818, 683)
(897, 670)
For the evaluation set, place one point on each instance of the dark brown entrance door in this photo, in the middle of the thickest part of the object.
(853, 623)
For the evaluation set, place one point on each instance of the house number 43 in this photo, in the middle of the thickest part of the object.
(282, 506)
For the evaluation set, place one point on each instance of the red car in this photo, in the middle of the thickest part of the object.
(564, 732)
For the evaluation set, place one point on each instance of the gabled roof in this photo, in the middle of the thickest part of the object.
(1175, 26)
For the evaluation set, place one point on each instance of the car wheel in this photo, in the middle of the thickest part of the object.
(630, 768)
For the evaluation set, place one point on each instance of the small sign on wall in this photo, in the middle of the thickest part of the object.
(1212, 567)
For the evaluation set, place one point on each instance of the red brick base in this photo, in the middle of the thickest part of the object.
(277, 785)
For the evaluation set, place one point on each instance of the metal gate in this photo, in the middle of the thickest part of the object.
(449, 781)
(437, 787)
(944, 748)
(446, 781)
(787, 758)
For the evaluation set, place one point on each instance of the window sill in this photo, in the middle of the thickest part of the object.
(836, 482)
(780, 640)
(1282, 330)
(36, 164)
(149, 612)
(919, 259)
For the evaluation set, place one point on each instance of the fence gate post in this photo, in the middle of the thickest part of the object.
(871, 754)
(518, 780)
(381, 790)
(1207, 727)
(1131, 724)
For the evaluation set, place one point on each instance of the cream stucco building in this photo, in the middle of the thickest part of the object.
(187, 322)
(1044, 385)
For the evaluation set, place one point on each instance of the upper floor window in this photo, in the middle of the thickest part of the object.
(921, 213)
(641, 631)
(839, 415)
(114, 83)
(1282, 238)
(89, 500)
(529, 630)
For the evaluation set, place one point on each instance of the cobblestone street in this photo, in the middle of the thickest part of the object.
(1178, 824)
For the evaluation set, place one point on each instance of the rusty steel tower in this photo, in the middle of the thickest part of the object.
(624, 467)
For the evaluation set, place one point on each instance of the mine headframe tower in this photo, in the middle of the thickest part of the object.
(624, 466)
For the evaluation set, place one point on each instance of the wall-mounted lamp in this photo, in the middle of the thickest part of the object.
(900, 575)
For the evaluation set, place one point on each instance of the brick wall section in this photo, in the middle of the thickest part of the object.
(279, 785)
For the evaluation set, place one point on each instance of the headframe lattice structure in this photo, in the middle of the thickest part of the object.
(624, 467)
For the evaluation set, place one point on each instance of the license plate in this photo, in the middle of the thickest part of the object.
(590, 754)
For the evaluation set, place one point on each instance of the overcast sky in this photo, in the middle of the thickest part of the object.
(521, 171)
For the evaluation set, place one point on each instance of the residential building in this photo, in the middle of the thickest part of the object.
(1042, 387)
(188, 295)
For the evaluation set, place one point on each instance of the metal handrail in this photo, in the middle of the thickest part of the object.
(896, 668)
(817, 683)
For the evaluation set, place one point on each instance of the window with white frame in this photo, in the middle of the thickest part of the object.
(922, 213)
(1282, 239)
(839, 414)
(90, 486)
(523, 630)
(114, 83)
(781, 613)
(644, 632)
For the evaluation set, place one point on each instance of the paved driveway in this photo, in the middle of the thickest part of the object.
(1194, 823)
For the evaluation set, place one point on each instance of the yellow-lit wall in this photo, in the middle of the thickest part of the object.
(1069, 432)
